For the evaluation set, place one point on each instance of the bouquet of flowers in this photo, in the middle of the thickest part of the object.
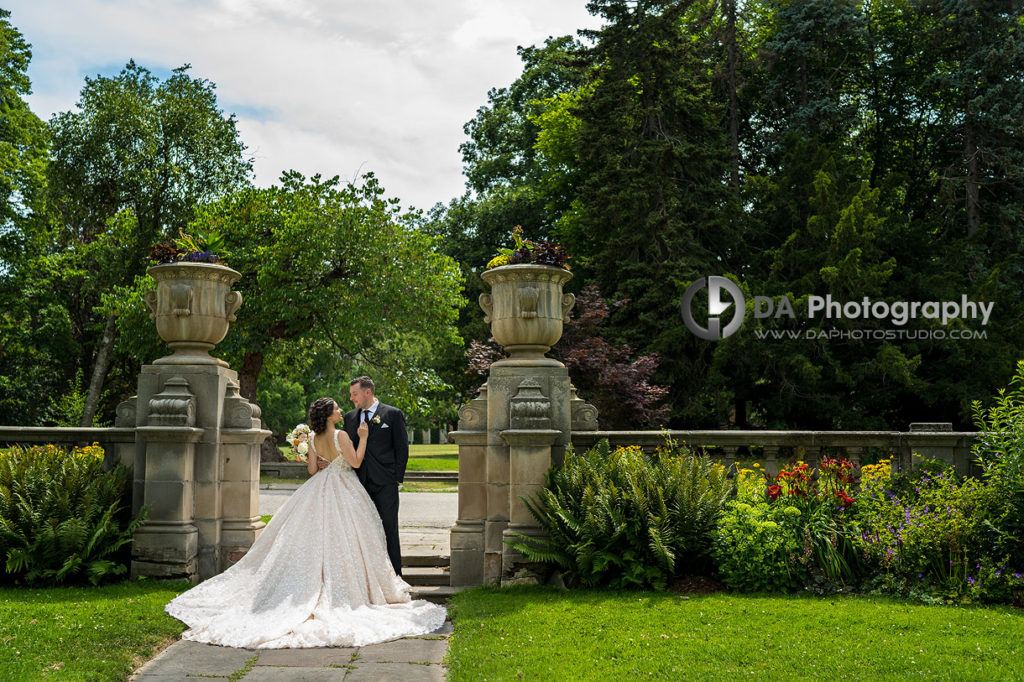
(299, 438)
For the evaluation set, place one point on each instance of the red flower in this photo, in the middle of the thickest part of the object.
(774, 491)
(846, 499)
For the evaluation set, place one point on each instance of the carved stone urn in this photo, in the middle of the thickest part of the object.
(193, 305)
(526, 309)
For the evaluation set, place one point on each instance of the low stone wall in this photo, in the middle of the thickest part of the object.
(284, 469)
(936, 441)
(118, 443)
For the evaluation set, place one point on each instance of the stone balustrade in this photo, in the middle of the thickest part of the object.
(937, 441)
(118, 443)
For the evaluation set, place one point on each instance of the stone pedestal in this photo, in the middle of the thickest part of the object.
(512, 471)
(197, 467)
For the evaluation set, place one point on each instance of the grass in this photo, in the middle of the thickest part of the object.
(543, 633)
(84, 633)
(421, 458)
(427, 487)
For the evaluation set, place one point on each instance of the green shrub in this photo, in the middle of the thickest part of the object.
(999, 449)
(927, 532)
(757, 547)
(816, 533)
(62, 519)
(623, 519)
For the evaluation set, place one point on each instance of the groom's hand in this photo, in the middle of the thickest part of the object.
(321, 464)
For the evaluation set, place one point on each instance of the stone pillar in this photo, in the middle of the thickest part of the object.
(167, 545)
(529, 439)
(771, 459)
(505, 381)
(936, 440)
(467, 535)
(729, 455)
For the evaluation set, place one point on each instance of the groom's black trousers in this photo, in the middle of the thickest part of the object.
(385, 498)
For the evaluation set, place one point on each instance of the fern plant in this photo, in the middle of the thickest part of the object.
(623, 519)
(62, 518)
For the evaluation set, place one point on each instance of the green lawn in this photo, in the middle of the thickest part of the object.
(84, 633)
(545, 634)
(421, 457)
(427, 487)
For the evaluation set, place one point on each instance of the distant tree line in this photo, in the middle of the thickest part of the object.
(337, 280)
(852, 148)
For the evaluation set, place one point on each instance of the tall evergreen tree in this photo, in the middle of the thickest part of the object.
(651, 211)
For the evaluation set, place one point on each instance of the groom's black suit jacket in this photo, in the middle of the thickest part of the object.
(387, 448)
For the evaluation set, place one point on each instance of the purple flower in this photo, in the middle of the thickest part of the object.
(970, 580)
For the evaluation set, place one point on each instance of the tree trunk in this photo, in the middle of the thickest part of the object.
(249, 375)
(973, 214)
(734, 138)
(99, 371)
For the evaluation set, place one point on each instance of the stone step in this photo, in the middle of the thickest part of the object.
(436, 476)
(426, 575)
(434, 560)
(438, 594)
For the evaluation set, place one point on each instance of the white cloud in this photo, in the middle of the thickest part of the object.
(318, 86)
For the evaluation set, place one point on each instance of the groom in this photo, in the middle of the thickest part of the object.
(387, 453)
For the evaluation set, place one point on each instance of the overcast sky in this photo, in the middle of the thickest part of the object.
(334, 87)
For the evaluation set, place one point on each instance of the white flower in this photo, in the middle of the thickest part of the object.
(302, 448)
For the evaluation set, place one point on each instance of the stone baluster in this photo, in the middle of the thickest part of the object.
(771, 459)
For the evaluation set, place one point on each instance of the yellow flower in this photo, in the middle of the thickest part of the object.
(498, 261)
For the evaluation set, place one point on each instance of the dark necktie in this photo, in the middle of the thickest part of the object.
(366, 417)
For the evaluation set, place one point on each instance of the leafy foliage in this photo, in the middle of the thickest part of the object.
(529, 251)
(62, 518)
(822, 147)
(999, 448)
(756, 546)
(926, 534)
(613, 378)
(23, 138)
(336, 269)
(624, 519)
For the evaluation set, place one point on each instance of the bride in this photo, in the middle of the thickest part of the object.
(319, 574)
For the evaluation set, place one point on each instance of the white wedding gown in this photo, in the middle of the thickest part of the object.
(318, 575)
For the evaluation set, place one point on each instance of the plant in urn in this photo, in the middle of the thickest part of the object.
(193, 304)
(526, 307)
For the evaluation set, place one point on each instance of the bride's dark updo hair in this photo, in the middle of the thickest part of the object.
(319, 411)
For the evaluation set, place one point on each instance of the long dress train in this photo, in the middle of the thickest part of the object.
(318, 575)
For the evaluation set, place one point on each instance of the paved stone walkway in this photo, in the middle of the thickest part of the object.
(410, 659)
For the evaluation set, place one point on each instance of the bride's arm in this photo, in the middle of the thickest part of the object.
(311, 462)
(354, 456)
